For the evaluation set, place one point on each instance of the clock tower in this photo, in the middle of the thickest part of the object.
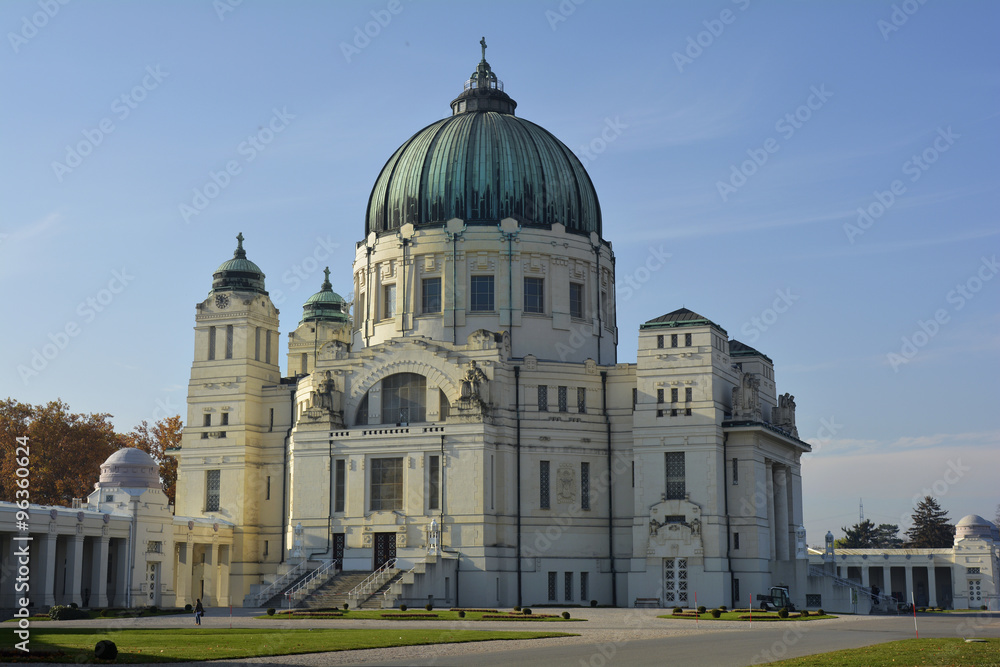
(225, 469)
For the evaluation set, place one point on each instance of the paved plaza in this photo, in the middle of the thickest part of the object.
(609, 637)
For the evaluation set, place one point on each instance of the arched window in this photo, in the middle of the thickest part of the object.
(404, 398)
(362, 417)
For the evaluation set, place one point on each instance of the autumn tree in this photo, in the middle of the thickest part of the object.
(66, 450)
(931, 527)
(156, 440)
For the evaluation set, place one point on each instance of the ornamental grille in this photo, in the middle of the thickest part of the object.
(675, 582)
(675, 476)
(543, 484)
(585, 486)
(563, 402)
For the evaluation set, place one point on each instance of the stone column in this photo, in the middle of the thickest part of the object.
(121, 572)
(47, 568)
(865, 576)
(886, 580)
(74, 568)
(99, 571)
(781, 512)
(769, 493)
(225, 556)
(209, 575)
(931, 585)
(909, 583)
(182, 572)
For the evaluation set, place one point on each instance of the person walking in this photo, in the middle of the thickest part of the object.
(199, 611)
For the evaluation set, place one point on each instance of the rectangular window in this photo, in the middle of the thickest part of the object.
(430, 297)
(567, 586)
(659, 341)
(688, 394)
(267, 347)
(256, 344)
(434, 483)
(585, 486)
(481, 294)
(581, 400)
(673, 395)
(675, 475)
(229, 341)
(388, 301)
(212, 485)
(687, 412)
(360, 313)
(687, 340)
(673, 340)
(534, 299)
(576, 300)
(492, 482)
(225, 419)
(736, 471)
(543, 398)
(211, 343)
(387, 484)
(736, 540)
(268, 492)
(207, 420)
(543, 485)
(109, 498)
(584, 585)
(659, 395)
(563, 400)
(304, 360)
(339, 484)
(635, 398)
(266, 545)
(673, 412)
(270, 425)
(552, 586)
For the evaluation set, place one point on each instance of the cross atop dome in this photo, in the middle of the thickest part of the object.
(239, 253)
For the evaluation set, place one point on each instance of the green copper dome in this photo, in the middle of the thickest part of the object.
(484, 164)
(239, 273)
(325, 305)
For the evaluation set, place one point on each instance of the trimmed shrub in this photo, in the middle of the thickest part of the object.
(804, 613)
(701, 609)
(820, 612)
(63, 613)
(461, 614)
(429, 607)
(270, 611)
(526, 611)
(593, 603)
(402, 607)
(982, 607)
(105, 650)
(153, 609)
(346, 606)
(565, 614)
(188, 608)
(716, 613)
(517, 608)
(783, 612)
(723, 607)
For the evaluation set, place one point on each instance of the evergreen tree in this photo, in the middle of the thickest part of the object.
(861, 535)
(887, 537)
(931, 527)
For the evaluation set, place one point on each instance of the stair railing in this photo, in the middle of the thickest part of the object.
(299, 590)
(270, 591)
(385, 595)
(366, 586)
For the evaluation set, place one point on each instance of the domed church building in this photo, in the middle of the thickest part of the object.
(464, 428)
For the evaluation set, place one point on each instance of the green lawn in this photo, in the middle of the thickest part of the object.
(417, 615)
(743, 615)
(168, 645)
(907, 652)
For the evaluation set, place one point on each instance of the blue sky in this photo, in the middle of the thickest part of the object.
(740, 137)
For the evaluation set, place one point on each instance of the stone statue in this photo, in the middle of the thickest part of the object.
(746, 398)
(325, 391)
(783, 415)
(473, 381)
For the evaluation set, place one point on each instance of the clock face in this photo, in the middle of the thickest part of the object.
(221, 300)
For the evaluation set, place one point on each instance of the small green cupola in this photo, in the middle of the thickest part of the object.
(239, 273)
(325, 305)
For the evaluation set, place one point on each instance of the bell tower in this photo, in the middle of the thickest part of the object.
(223, 461)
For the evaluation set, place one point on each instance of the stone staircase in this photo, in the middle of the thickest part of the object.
(279, 601)
(334, 592)
(377, 599)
